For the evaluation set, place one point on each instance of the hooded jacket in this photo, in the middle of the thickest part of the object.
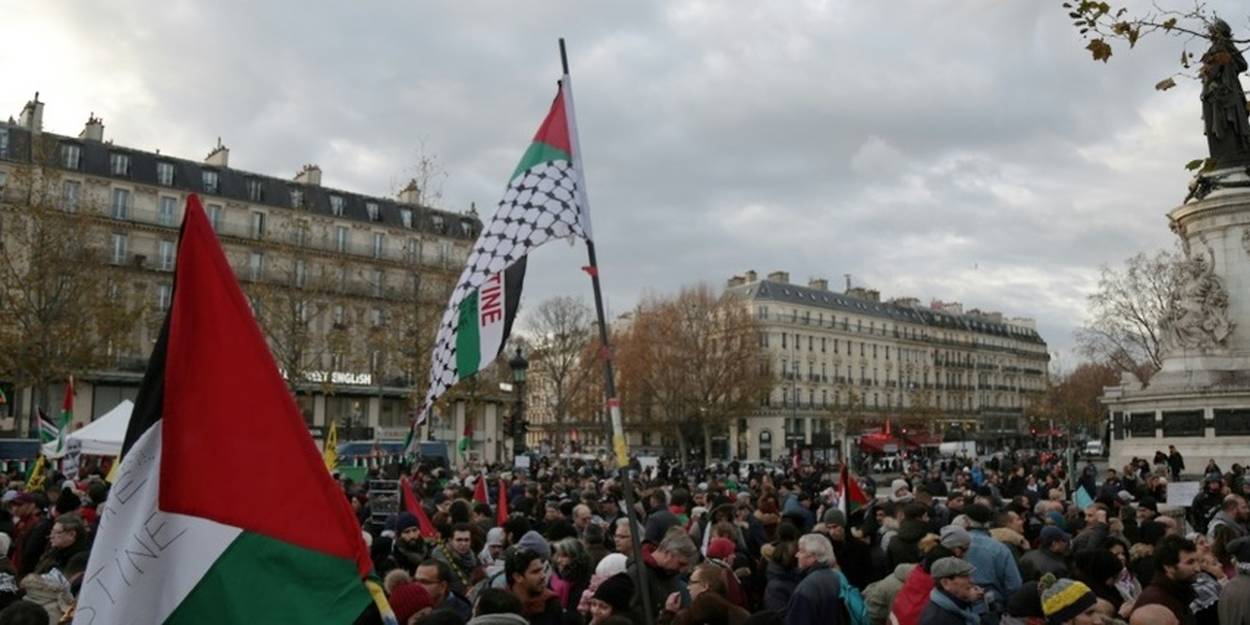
(879, 595)
(911, 598)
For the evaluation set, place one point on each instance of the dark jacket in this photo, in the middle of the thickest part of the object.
(781, 584)
(946, 609)
(817, 599)
(904, 548)
(660, 582)
(1038, 562)
(855, 561)
(1175, 597)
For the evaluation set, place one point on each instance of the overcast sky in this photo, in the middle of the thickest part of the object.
(965, 151)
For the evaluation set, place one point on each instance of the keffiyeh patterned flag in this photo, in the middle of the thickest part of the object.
(545, 200)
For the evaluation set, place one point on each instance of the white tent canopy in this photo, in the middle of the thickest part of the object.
(102, 437)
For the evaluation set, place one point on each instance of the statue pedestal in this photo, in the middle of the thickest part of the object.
(1200, 400)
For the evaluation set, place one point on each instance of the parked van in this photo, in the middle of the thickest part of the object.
(1095, 449)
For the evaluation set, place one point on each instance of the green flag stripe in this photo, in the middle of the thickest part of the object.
(539, 152)
(468, 338)
(261, 580)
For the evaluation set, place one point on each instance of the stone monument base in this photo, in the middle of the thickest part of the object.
(1200, 400)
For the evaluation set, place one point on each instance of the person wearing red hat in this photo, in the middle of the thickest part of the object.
(720, 552)
(408, 601)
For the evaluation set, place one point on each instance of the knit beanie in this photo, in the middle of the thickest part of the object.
(408, 599)
(720, 548)
(1064, 599)
(404, 521)
(834, 516)
(535, 542)
(616, 591)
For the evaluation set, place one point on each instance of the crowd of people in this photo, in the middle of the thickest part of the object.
(1008, 540)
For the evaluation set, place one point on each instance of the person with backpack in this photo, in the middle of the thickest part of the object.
(818, 599)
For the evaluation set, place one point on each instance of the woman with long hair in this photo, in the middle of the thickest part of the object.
(572, 571)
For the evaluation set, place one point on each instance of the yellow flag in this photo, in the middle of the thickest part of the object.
(34, 482)
(330, 448)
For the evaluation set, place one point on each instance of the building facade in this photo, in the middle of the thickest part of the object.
(847, 363)
(348, 287)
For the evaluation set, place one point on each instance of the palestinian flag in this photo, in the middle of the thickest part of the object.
(222, 511)
(48, 431)
(545, 200)
(850, 496)
(67, 415)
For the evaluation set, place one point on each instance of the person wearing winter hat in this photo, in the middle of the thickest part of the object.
(954, 594)
(492, 551)
(408, 600)
(1068, 602)
(409, 550)
(957, 539)
(613, 596)
(1049, 557)
(900, 492)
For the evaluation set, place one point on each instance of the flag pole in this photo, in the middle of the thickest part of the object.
(613, 403)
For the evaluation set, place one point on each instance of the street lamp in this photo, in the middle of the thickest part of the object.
(518, 364)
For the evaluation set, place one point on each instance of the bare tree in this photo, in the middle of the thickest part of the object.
(1127, 312)
(60, 299)
(560, 328)
(693, 363)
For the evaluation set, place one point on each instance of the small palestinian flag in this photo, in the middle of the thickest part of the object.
(545, 200)
(850, 496)
(222, 511)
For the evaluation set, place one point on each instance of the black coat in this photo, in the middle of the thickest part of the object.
(817, 600)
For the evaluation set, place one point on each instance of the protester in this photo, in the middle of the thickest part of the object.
(1049, 557)
(1166, 600)
(816, 599)
(952, 599)
(612, 597)
(436, 576)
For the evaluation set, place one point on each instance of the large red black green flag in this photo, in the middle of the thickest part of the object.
(223, 511)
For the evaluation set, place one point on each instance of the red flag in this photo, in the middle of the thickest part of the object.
(850, 496)
(501, 510)
(413, 505)
(479, 491)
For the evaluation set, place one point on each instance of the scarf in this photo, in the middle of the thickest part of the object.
(942, 600)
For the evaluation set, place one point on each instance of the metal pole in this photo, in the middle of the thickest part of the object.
(614, 408)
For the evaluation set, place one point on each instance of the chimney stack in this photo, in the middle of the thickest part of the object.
(32, 115)
(752, 276)
(220, 156)
(735, 281)
(410, 193)
(820, 284)
(94, 130)
(309, 175)
(782, 277)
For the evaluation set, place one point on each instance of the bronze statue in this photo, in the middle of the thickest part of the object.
(1223, 102)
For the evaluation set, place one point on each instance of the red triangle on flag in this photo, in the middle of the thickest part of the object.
(554, 130)
(479, 491)
(250, 464)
